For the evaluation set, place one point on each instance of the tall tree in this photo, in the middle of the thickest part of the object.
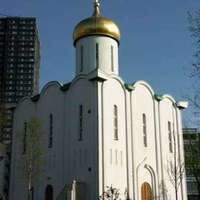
(194, 20)
(194, 97)
(192, 152)
(32, 152)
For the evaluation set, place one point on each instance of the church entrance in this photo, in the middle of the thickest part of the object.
(49, 192)
(146, 192)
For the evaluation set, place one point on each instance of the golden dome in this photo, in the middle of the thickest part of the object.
(96, 25)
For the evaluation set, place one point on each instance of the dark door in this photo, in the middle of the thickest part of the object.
(49, 192)
(146, 191)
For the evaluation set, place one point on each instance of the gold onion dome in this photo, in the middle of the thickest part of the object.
(96, 25)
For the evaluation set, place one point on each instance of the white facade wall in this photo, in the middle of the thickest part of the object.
(82, 153)
(113, 151)
(107, 62)
(24, 112)
(166, 115)
(68, 159)
(51, 102)
(145, 157)
(183, 185)
(99, 160)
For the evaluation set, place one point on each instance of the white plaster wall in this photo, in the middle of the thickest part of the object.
(82, 160)
(143, 102)
(129, 147)
(158, 136)
(70, 159)
(23, 112)
(51, 102)
(181, 148)
(89, 54)
(168, 113)
(114, 152)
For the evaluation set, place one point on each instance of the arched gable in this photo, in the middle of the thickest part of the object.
(167, 96)
(50, 84)
(77, 78)
(118, 79)
(146, 85)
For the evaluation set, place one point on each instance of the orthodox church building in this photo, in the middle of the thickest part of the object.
(99, 131)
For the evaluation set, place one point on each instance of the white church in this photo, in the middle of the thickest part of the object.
(99, 132)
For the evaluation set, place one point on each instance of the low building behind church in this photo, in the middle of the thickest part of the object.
(191, 138)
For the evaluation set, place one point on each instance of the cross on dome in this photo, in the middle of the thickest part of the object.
(96, 1)
(96, 8)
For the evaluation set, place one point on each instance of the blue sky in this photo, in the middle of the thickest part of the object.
(156, 45)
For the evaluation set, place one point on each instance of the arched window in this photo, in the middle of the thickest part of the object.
(146, 192)
(50, 131)
(115, 122)
(112, 58)
(24, 138)
(49, 192)
(97, 55)
(81, 67)
(80, 136)
(170, 137)
(144, 122)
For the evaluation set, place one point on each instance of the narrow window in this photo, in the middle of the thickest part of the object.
(80, 123)
(116, 157)
(80, 157)
(170, 136)
(97, 55)
(111, 156)
(115, 122)
(85, 156)
(50, 131)
(24, 138)
(81, 69)
(112, 59)
(74, 158)
(121, 153)
(144, 129)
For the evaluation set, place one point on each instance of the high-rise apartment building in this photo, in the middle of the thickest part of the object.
(19, 75)
(19, 60)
